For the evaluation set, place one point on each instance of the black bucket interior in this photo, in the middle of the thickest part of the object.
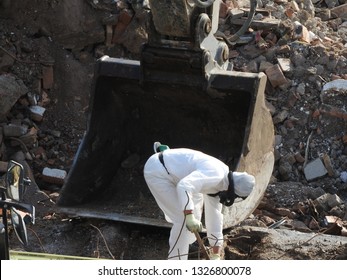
(126, 118)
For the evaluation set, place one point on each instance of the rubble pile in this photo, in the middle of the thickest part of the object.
(314, 210)
(300, 45)
(22, 112)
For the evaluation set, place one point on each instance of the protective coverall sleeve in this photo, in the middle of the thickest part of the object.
(199, 181)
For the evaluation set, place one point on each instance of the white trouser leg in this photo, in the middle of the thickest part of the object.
(213, 220)
(164, 192)
(179, 247)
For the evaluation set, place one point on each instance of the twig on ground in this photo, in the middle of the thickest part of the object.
(307, 147)
(43, 249)
(97, 251)
(305, 242)
(108, 249)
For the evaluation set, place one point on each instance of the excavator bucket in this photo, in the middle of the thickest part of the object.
(182, 97)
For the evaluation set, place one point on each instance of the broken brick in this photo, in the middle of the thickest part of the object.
(30, 138)
(289, 12)
(124, 20)
(276, 76)
(333, 112)
(39, 152)
(316, 114)
(284, 212)
(328, 165)
(224, 8)
(37, 113)
(51, 161)
(301, 33)
(292, 98)
(47, 77)
(299, 158)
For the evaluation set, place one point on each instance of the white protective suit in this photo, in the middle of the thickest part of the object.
(190, 176)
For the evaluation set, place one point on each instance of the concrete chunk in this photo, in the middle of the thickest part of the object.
(37, 113)
(53, 175)
(11, 89)
(338, 85)
(315, 169)
(12, 130)
(285, 64)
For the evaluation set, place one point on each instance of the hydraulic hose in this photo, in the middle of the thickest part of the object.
(246, 24)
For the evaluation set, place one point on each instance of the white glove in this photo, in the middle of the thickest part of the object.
(193, 224)
(215, 257)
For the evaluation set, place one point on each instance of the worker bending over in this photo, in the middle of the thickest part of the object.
(183, 181)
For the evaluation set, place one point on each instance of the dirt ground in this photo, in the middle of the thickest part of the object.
(37, 29)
